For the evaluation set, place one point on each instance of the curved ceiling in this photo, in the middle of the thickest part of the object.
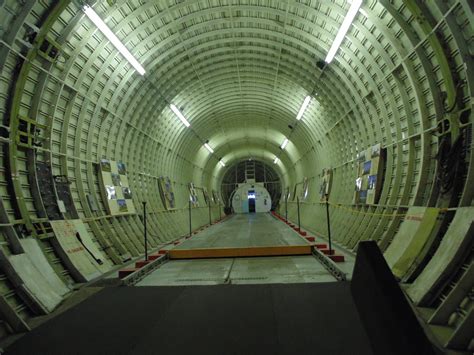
(229, 67)
(239, 71)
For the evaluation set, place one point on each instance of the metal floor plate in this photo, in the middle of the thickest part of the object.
(245, 230)
(241, 231)
(281, 269)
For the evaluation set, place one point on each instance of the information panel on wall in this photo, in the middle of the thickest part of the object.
(325, 186)
(205, 194)
(116, 189)
(304, 189)
(215, 196)
(193, 197)
(166, 191)
(368, 184)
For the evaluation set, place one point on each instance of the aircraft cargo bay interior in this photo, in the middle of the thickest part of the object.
(236, 177)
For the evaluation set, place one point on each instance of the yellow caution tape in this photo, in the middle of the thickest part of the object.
(354, 211)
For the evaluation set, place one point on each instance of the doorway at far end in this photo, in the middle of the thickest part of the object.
(251, 199)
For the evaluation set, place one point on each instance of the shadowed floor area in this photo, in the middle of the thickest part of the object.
(225, 319)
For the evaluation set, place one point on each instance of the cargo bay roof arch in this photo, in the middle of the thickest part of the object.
(248, 59)
(403, 78)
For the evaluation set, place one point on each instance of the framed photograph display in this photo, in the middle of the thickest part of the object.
(207, 201)
(305, 189)
(117, 194)
(165, 186)
(215, 196)
(369, 181)
(325, 186)
(193, 197)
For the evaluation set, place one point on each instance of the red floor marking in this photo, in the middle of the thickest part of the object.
(142, 263)
(327, 251)
(337, 258)
(125, 272)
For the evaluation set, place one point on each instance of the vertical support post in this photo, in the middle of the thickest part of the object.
(210, 219)
(329, 223)
(286, 207)
(298, 208)
(145, 230)
(190, 221)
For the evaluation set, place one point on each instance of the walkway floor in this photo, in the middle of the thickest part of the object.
(243, 230)
(228, 319)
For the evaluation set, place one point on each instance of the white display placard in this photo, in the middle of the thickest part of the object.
(116, 189)
(82, 253)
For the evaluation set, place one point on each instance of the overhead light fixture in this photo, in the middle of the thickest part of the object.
(92, 15)
(180, 115)
(276, 160)
(222, 163)
(208, 147)
(285, 142)
(303, 107)
(343, 30)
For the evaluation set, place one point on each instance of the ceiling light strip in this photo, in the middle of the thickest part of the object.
(276, 160)
(92, 15)
(303, 108)
(208, 147)
(180, 115)
(222, 163)
(343, 30)
(283, 145)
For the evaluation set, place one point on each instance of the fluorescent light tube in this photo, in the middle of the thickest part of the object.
(343, 30)
(285, 142)
(303, 107)
(276, 160)
(209, 148)
(180, 115)
(222, 163)
(92, 15)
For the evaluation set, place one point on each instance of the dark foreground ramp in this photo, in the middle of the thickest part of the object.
(374, 288)
(227, 319)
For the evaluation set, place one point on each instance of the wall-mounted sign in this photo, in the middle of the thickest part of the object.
(116, 190)
(166, 191)
(215, 196)
(305, 189)
(368, 184)
(193, 197)
(325, 186)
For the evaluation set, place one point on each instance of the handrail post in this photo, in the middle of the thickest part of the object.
(145, 231)
(298, 208)
(190, 221)
(329, 223)
(210, 218)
